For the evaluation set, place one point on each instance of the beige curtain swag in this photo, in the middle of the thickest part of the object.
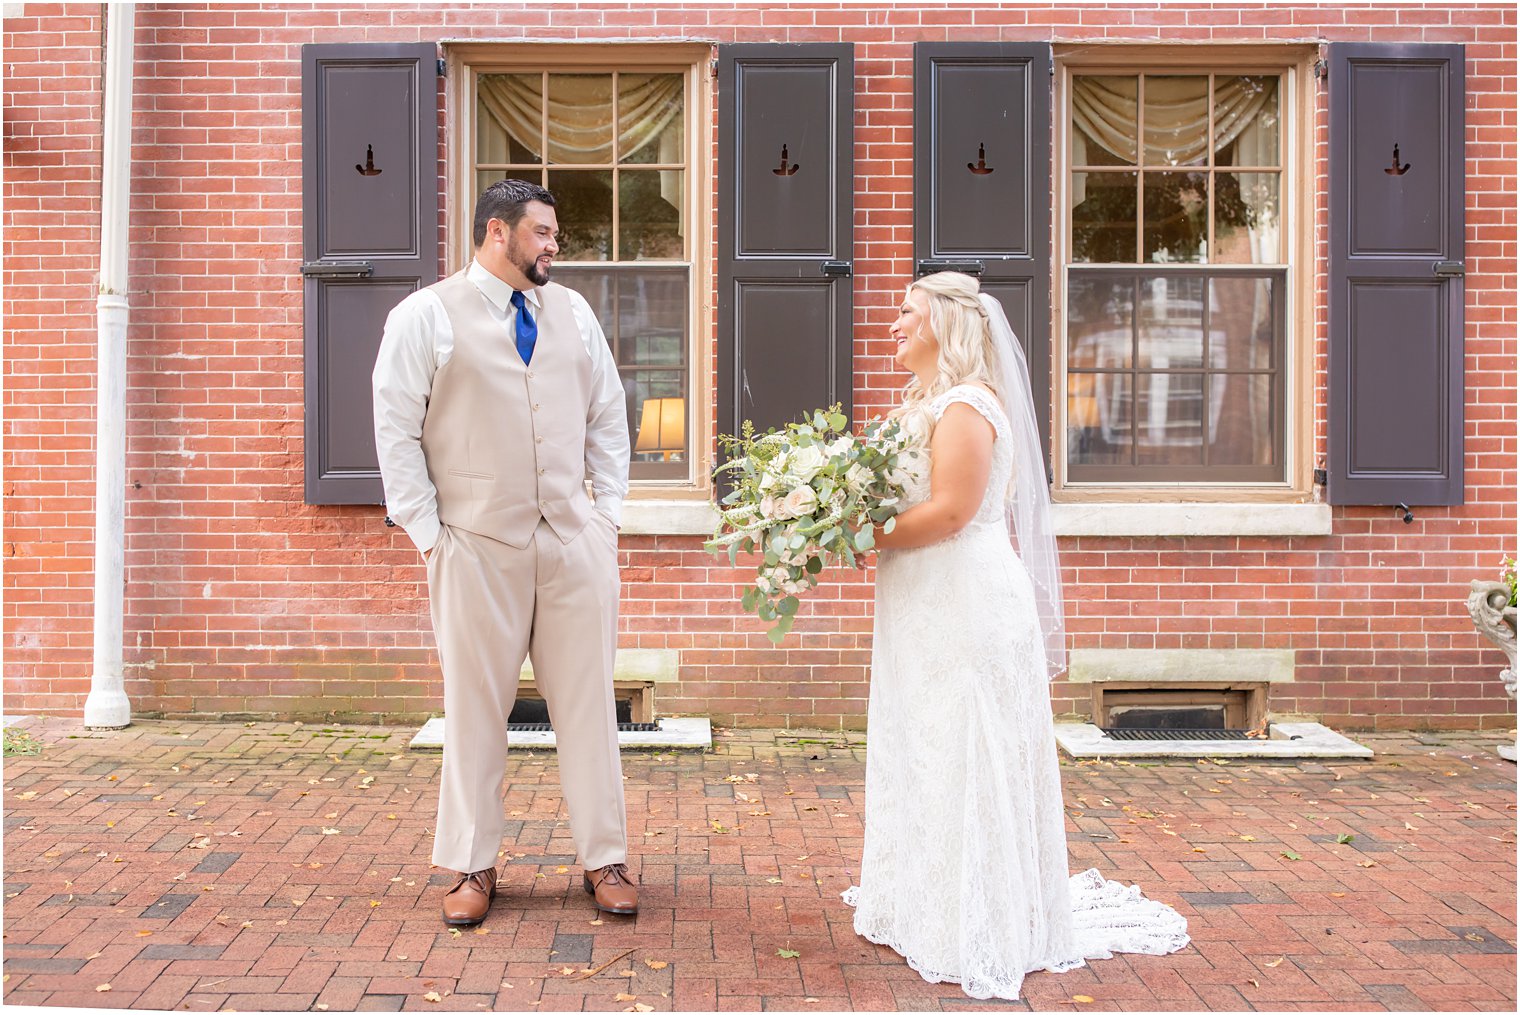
(1106, 112)
(580, 114)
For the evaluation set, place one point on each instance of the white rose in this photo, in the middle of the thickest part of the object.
(807, 462)
(799, 502)
(770, 508)
(841, 446)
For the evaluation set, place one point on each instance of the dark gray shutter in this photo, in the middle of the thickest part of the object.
(785, 224)
(981, 182)
(369, 142)
(1397, 196)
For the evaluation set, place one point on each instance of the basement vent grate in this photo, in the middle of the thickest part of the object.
(543, 727)
(1175, 734)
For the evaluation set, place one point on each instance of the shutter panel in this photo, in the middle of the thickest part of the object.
(785, 225)
(981, 182)
(369, 142)
(1397, 198)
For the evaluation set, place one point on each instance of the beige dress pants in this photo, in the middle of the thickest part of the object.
(492, 606)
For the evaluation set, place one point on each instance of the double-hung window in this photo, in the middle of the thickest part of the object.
(613, 143)
(1176, 247)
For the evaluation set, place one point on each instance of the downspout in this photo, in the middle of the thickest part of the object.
(107, 706)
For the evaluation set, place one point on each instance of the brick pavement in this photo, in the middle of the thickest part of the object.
(272, 866)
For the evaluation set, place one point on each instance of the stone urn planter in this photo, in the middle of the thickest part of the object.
(1494, 617)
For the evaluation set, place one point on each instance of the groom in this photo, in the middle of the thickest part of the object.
(496, 398)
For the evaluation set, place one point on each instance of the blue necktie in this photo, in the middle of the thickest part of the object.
(527, 328)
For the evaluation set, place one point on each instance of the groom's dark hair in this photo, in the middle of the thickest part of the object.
(504, 200)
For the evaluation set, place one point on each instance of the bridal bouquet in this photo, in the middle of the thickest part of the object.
(804, 495)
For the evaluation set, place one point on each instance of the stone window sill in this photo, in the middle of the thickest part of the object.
(697, 518)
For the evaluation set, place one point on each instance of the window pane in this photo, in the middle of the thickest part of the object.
(580, 118)
(1246, 217)
(1171, 322)
(643, 313)
(658, 415)
(649, 215)
(1098, 419)
(583, 205)
(1241, 422)
(509, 118)
(1240, 324)
(1176, 218)
(1176, 120)
(650, 118)
(1103, 210)
(1246, 123)
(1169, 419)
(1100, 322)
(651, 318)
(1104, 121)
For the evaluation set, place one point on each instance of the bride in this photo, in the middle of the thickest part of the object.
(964, 869)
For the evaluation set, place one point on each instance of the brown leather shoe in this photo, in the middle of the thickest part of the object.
(612, 889)
(467, 903)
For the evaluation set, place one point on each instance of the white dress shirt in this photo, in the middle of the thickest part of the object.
(418, 340)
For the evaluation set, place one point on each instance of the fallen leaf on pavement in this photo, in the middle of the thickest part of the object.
(1081, 999)
(655, 963)
(432, 996)
(787, 953)
(625, 997)
(1275, 962)
(104, 986)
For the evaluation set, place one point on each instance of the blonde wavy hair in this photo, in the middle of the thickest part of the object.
(966, 355)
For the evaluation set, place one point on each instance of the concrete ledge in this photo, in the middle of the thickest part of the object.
(1288, 740)
(669, 518)
(1180, 665)
(676, 734)
(700, 517)
(1161, 519)
(655, 665)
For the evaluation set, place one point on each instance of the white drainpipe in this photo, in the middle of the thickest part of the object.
(107, 706)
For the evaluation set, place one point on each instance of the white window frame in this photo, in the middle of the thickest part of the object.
(463, 61)
(1300, 178)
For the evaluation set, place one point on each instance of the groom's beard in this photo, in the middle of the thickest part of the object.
(530, 268)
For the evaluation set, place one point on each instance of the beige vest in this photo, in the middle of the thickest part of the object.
(505, 442)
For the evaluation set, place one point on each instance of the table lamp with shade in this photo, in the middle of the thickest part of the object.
(662, 427)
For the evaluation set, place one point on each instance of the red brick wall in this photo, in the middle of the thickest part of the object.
(242, 599)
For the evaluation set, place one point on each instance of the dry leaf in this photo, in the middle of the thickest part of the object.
(103, 987)
(773, 881)
(331, 831)
(1081, 999)
(628, 973)
(1366, 863)
(625, 997)
(432, 996)
(145, 933)
(1276, 962)
(655, 963)
(1254, 983)
(1475, 937)
(597, 922)
(482, 930)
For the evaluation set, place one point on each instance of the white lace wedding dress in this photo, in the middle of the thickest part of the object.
(964, 870)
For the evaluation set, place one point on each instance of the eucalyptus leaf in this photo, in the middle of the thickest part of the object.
(787, 607)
